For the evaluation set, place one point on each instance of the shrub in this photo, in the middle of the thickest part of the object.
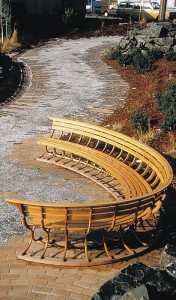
(118, 126)
(170, 149)
(11, 44)
(140, 121)
(167, 104)
(149, 136)
(125, 59)
(166, 99)
(171, 55)
(170, 120)
(116, 54)
(141, 63)
(112, 53)
(68, 16)
(155, 54)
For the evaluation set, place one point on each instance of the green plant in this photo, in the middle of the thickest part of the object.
(11, 44)
(112, 53)
(68, 16)
(166, 102)
(171, 145)
(139, 121)
(118, 126)
(141, 63)
(170, 120)
(149, 136)
(116, 54)
(155, 54)
(142, 19)
(171, 55)
(125, 59)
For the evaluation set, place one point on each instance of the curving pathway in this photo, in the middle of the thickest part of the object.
(68, 78)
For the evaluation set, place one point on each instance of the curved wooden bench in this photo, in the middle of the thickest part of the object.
(96, 223)
(135, 174)
(130, 181)
(141, 159)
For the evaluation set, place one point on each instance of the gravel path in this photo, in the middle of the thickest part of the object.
(67, 79)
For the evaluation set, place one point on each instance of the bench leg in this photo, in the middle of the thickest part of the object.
(86, 248)
(66, 245)
(77, 163)
(138, 239)
(30, 241)
(125, 245)
(106, 250)
(46, 151)
(47, 232)
(86, 164)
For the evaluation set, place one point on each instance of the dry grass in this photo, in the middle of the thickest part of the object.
(148, 137)
(118, 126)
(142, 20)
(107, 52)
(11, 44)
(170, 148)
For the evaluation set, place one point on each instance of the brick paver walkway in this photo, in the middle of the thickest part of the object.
(21, 172)
(21, 280)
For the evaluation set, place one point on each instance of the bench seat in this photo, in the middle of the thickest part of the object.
(95, 223)
(136, 175)
(129, 150)
(133, 183)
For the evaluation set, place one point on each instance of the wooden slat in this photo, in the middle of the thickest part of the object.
(131, 181)
(142, 173)
(123, 142)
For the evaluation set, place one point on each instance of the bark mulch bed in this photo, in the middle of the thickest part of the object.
(142, 96)
(143, 89)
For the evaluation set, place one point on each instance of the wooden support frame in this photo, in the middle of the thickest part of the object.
(135, 174)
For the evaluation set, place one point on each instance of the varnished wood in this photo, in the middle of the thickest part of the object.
(135, 174)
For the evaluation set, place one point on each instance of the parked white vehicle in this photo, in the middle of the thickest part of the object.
(136, 10)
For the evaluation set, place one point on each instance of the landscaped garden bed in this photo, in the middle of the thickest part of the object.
(11, 78)
(144, 97)
(148, 92)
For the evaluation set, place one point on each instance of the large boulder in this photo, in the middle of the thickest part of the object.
(168, 260)
(153, 282)
(168, 255)
(153, 36)
(155, 30)
(138, 293)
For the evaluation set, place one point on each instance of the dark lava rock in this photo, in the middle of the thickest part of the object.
(5, 61)
(168, 255)
(114, 288)
(153, 277)
(157, 30)
(10, 77)
(159, 284)
(153, 37)
(171, 269)
(168, 260)
(170, 249)
(138, 293)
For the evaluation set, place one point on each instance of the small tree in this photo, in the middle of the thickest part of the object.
(140, 121)
(5, 19)
(167, 104)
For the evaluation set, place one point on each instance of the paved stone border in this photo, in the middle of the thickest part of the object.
(20, 280)
(63, 82)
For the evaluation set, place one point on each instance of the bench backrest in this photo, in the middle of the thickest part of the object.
(141, 157)
(85, 217)
(66, 217)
